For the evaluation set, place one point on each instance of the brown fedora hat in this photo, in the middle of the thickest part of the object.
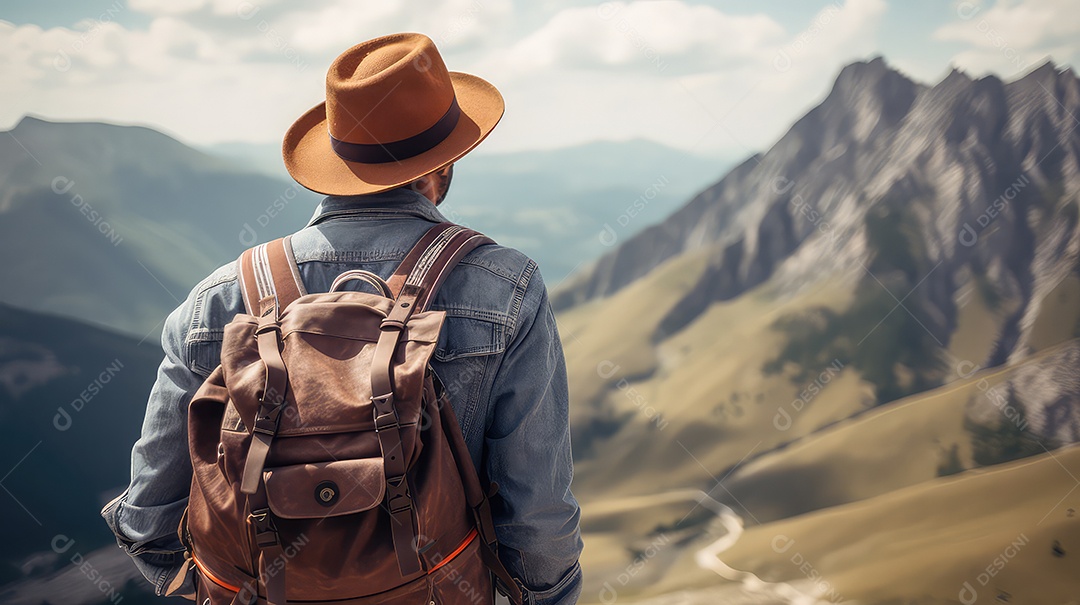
(392, 114)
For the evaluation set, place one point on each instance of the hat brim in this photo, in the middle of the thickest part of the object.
(311, 160)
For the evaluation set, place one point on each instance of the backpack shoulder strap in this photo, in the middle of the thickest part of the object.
(269, 270)
(432, 258)
(413, 283)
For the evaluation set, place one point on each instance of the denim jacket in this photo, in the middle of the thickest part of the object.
(499, 356)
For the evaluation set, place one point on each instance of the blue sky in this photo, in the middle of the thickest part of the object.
(715, 78)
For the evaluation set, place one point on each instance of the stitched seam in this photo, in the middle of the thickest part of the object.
(473, 402)
(561, 584)
(347, 256)
(487, 265)
(428, 258)
(478, 351)
(519, 297)
(381, 212)
(205, 335)
(196, 315)
(200, 299)
(202, 292)
(217, 282)
(160, 584)
(491, 347)
(478, 314)
(192, 363)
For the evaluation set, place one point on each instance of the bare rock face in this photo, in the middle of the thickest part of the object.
(922, 189)
(1048, 392)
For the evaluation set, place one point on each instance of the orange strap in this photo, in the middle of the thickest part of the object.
(464, 544)
(210, 576)
(460, 549)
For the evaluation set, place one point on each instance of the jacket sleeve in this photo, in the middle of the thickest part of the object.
(145, 517)
(528, 455)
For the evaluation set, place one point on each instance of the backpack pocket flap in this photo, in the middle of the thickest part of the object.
(325, 489)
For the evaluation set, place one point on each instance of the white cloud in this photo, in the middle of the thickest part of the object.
(170, 75)
(651, 35)
(675, 71)
(1012, 36)
(689, 76)
(166, 7)
(335, 26)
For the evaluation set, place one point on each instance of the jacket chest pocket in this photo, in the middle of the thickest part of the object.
(464, 359)
(466, 335)
(204, 350)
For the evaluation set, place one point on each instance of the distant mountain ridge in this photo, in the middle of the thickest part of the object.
(132, 218)
(71, 404)
(115, 224)
(562, 207)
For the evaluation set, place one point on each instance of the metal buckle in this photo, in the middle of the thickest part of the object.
(267, 417)
(262, 520)
(387, 421)
(266, 533)
(385, 415)
(395, 509)
(268, 327)
(398, 492)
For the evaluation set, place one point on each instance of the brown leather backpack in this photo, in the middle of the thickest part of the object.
(328, 464)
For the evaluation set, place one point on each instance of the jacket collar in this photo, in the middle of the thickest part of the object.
(387, 204)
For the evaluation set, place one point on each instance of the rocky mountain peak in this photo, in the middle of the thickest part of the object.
(894, 175)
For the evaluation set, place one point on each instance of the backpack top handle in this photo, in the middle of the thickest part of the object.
(270, 269)
(366, 276)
